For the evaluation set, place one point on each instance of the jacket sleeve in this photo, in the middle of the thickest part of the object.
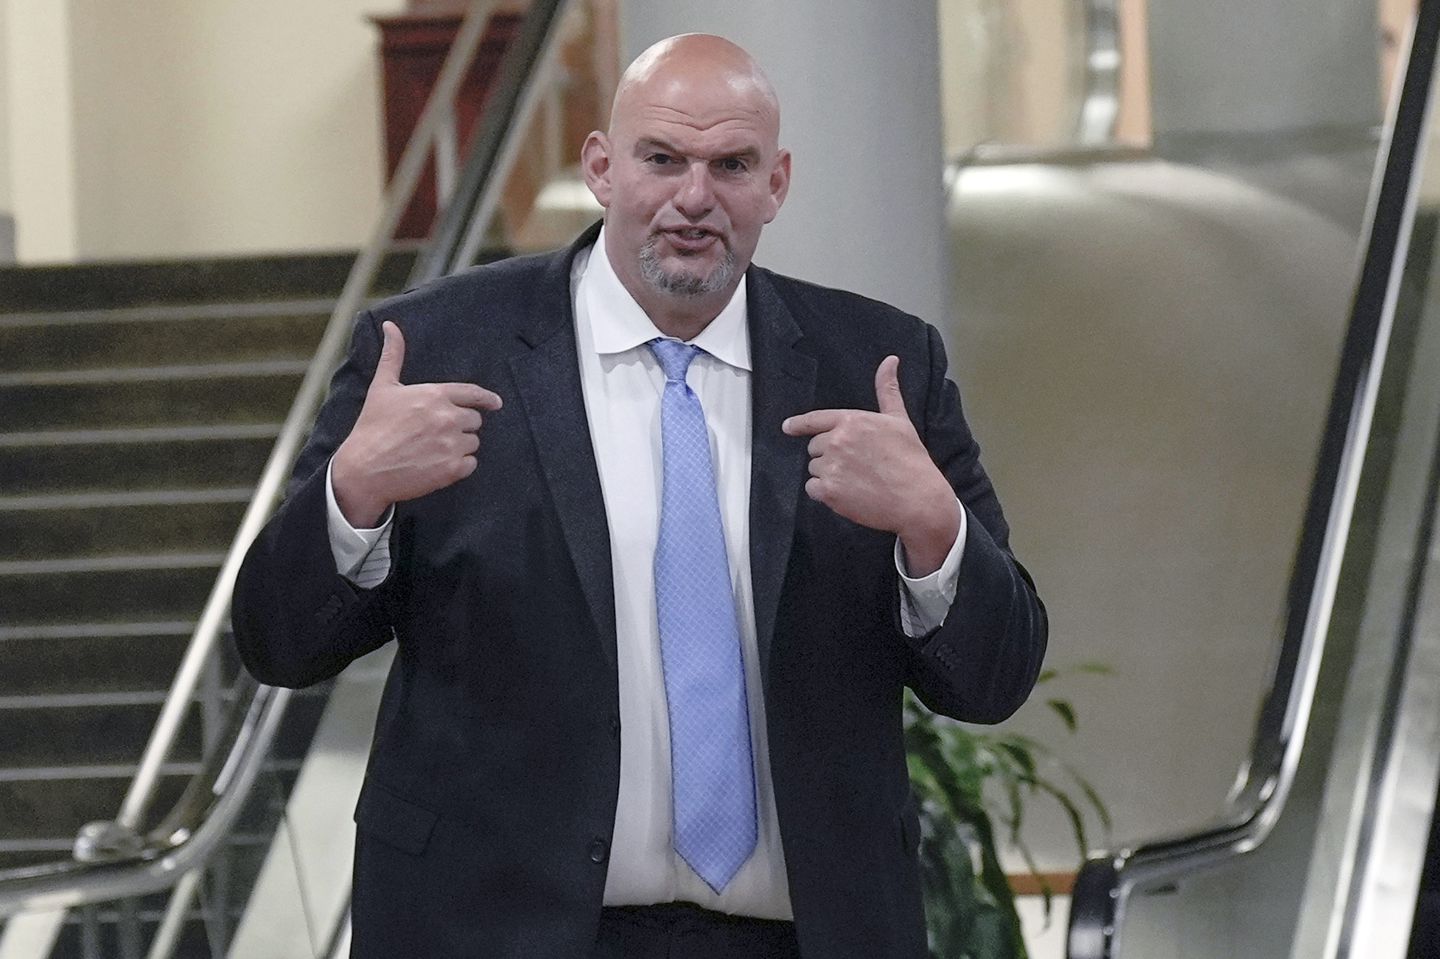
(296, 619)
(982, 662)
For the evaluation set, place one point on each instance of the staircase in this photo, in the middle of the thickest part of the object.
(137, 406)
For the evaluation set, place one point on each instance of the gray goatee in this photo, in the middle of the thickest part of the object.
(683, 283)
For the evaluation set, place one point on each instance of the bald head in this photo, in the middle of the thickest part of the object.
(689, 172)
(692, 67)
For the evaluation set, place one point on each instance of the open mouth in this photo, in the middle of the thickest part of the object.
(691, 239)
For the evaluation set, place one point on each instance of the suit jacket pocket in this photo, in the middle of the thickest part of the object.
(393, 820)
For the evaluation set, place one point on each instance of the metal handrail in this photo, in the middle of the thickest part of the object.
(460, 228)
(164, 856)
(1105, 883)
(210, 628)
(118, 859)
(1099, 111)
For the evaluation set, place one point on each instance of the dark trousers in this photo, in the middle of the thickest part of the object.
(684, 931)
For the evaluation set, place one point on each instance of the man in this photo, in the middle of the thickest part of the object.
(661, 536)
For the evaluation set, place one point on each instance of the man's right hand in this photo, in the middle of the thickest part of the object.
(408, 440)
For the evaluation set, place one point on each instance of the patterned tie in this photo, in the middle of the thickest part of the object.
(711, 768)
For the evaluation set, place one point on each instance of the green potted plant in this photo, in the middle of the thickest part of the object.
(967, 782)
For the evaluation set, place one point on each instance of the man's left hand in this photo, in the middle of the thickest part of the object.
(872, 469)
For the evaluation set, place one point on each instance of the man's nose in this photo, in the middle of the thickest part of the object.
(696, 194)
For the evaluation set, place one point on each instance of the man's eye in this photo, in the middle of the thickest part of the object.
(733, 165)
(659, 159)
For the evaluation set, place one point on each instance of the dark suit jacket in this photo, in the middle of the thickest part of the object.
(485, 820)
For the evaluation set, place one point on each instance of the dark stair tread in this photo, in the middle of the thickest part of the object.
(123, 284)
(103, 460)
(113, 589)
(59, 807)
(84, 735)
(110, 662)
(118, 523)
(50, 807)
(179, 396)
(70, 739)
(162, 336)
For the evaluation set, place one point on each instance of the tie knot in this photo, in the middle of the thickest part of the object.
(674, 358)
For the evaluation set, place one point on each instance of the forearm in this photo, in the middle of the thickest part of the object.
(980, 664)
(296, 619)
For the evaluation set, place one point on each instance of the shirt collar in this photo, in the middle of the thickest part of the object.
(619, 324)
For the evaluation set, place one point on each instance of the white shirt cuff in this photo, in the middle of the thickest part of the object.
(924, 602)
(361, 555)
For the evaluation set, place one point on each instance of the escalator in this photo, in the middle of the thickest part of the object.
(1320, 850)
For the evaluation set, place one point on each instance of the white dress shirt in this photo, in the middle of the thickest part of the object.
(622, 385)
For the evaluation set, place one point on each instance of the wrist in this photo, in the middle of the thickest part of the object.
(928, 537)
(361, 508)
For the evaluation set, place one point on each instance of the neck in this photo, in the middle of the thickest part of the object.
(683, 317)
(681, 324)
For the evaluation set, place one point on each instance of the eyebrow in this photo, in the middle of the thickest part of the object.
(647, 144)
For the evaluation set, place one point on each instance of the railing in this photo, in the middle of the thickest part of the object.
(122, 858)
(1106, 883)
(1099, 112)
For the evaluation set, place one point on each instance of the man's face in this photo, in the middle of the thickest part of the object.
(688, 175)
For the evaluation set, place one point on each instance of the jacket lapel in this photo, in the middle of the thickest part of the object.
(547, 378)
(782, 385)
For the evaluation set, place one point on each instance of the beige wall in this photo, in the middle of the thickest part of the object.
(203, 128)
(35, 48)
(5, 190)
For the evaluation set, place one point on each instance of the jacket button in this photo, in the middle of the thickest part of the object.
(599, 850)
(615, 726)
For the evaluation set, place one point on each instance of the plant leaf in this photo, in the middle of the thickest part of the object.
(1065, 711)
(1021, 756)
(1096, 803)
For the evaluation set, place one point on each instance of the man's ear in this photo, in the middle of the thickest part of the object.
(595, 164)
(779, 183)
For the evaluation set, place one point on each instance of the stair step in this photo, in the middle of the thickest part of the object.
(85, 735)
(49, 802)
(107, 524)
(228, 279)
(91, 658)
(145, 396)
(59, 807)
(162, 335)
(111, 589)
(59, 743)
(55, 462)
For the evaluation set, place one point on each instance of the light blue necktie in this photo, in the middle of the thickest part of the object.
(712, 772)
